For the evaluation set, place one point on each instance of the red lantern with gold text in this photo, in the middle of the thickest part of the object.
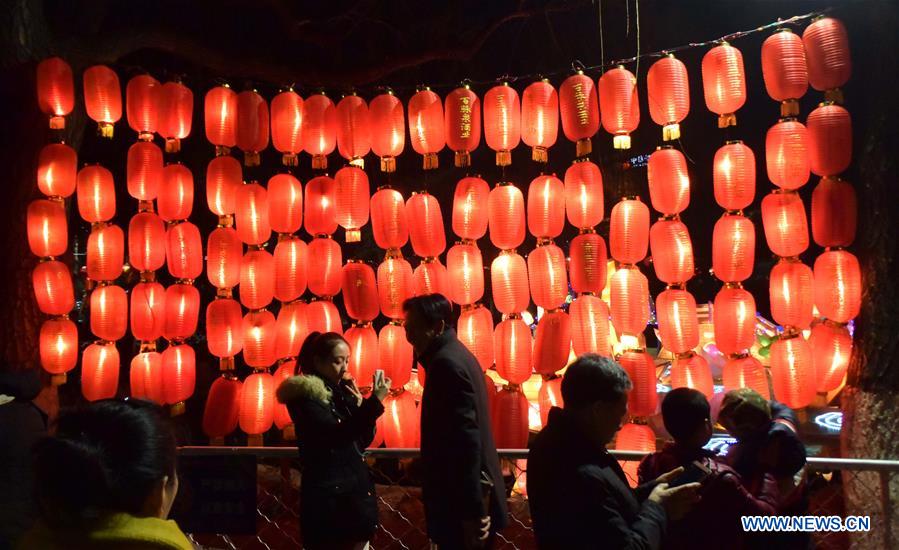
(395, 354)
(629, 300)
(733, 176)
(351, 200)
(292, 327)
(834, 213)
(502, 121)
(109, 312)
(253, 225)
(512, 347)
(827, 52)
(57, 167)
(430, 277)
(105, 253)
(224, 328)
(745, 371)
(733, 248)
(589, 325)
(510, 410)
(470, 208)
(838, 285)
(426, 229)
(829, 139)
(552, 342)
(394, 286)
(579, 107)
(388, 132)
(389, 222)
(547, 276)
(734, 317)
(96, 194)
(672, 251)
(619, 105)
(53, 290)
(360, 291)
(401, 421)
(319, 215)
(540, 118)
(48, 233)
(259, 335)
(364, 358)
(668, 90)
(146, 377)
(322, 316)
(144, 170)
(462, 122)
(678, 326)
(176, 110)
(179, 375)
(184, 251)
(465, 267)
(176, 194)
(224, 177)
(102, 97)
(55, 90)
(325, 261)
(475, 330)
(588, 257)
(220, 118)
(629, 231)
(257, 406)
(784, 70)
(724, 83)
(831, 346)
(142, 94)
(509, 283)
(641, 369)
(584, 202)
(148, 311)
(221, 415)
(692, 372)
(182, 311)
(353, 129)
(546, 206)
(224, 254)
(785, 224)
(58, 345)
(792, 294)
(291, 261)
(787, 154)
(793, 371)
(257, 279)
(287, 125)
(505, 211)
(319, 129)
(669, 183)
(285, 203)
(252, 125)
(426, 129)
(100, 371)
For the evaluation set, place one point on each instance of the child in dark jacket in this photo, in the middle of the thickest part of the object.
(715, 521)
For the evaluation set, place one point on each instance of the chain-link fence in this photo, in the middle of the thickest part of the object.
(397, 475)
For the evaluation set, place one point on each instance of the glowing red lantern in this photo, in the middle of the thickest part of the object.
(669, 183)
(465, 267)
(619, 105)
(182, 311)
(692, 372)
(144, 170)
(53, 291)
(401, 422)
(257, 404)
(512, 345)
(430, 277)
(148, 311)
(579, 107)
(784, 70)
(426, 229)
(353, 129)
(462, 112)
(351, 200)
(475, 330)
(291, 260)
(510, 410)
(253, 225)
(831, 346)
(629, 231)
(319, 215)
(224, 253)
(224, 327)
(142, 105)
(584, 201)
(364, 358)
(745, 371)
(388, 218)
(505, 212)
(184, 251)
(547, 276)
(678, 325)
(282, 415)
(549, 396)
(733, 248)
(426, 126)
(96, 194)
(724, 83)
(640, 368)
(834, 213)
(325, 261)
(257, 279)
(634, 437)
(552, 343)
(322, 316)
(102, 97)
(109, 312)
(792, 294)
(787, 154)
(668, 90)
(829, 139)
(220, 118)
(291, 328)
(287, 125)
(179, 373)
(394, 286)
(838, 285)
(252, 125)
(105, 253)
(793, 371)
(55, 90)
(509, 283)
(360, 292)
(57, 166)
(58, 345)
(734, 317)
(146, 377)
(733, 175)
(48, 233)
(176, 194)
(259, 335)
(285, 203)
(785, 224)
(100, 371)
(589, 325)
(176, 109)
(319, 129)
(587, 253)
(827, 52)
(221, 415)
(395, 354)
(388, 132)
(224, 177)
(629, 300)
(502, 121)
(672, 251)
(469, 211)
(546, 206)
(539, 118)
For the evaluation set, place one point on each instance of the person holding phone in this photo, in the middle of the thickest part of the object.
(334, 425)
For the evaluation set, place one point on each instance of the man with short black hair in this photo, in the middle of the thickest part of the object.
(578, 494)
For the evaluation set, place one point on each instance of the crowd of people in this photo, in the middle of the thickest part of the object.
(107, 477)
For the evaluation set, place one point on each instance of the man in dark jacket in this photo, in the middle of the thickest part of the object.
(578, 494)
(463, 489)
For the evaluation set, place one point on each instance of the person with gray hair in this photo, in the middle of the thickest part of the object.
(578, 494)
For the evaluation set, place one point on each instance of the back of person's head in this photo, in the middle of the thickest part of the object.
(593, 378)
(109, 456)
(744, 412)
(317, 346)
(431, 309)
(685, 412)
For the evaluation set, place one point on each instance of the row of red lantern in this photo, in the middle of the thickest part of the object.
(167, 378)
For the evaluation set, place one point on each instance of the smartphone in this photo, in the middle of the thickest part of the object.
(696, 472)
(379, 376)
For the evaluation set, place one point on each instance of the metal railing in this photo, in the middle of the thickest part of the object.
(402, 517)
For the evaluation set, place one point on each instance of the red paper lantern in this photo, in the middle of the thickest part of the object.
(629, 231)
(640, 368)
(509, 283)
(144, 170)
(351, 200)
(224, 327)
(672, 251)
(787, 154)
(734, 317)
(148, 311)
(388, 132)
(182, 311)
(292, 327)
(668, 90)
(259, 335)
(55, 90)
(629, 300)
(784, 70)
(285, 203)
(179, 373)
(584, 202)
(549, 396)
(322, 316)
(546, 206)
(360, 291)
(831, 346)
(287, 125)
(785, 224)
(579, 107)
(745, 372)
(834, 213)
(401, 422)
(552, 344)
(430, 277)
(426, 229)
(257, 404)
(224, 253)
(319, 215)
(469, 208)
(109, 312)
(353, 128)
(829, 139)
(224, 177)
(838, 285)
(388, 218)
(96, 194)
(184, 251)
(619, 105)
(221, 415)
(505, 210)
(394, 286)
(291, 259)
(512, 345)
(53, 291)
(176, 110)
(540, 118)
(502, 121)
(827, 52)
(253, 225)
(692, 372)
(426, 129)
(319, 129)
(252, 126)
(792, 294)
(146, 377)
(325, 261)
(395, 354)
(669, 182)
(589, 325)
(678, 325)
(102, 97)
(724, 83)
(57, 166)
(220, 117)
(100, 371)
(364, 357)
(282, 415)
(257, 279)
(142, 105)
(548, 276)
(48, 233)
(58, 345)
(510, 411)
(475, 330)
(733, 248)
(734, 176)
(105, 253)
(462, 112)
(793, 372)
(588, 256)
(176, 194)
(465, 267)
(634, 437)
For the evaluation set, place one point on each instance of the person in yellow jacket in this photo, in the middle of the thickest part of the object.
(107, 480)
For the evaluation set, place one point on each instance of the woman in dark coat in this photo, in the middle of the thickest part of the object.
(334, 425)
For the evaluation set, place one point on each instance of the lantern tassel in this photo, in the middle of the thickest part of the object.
(583, 147)
(289, 159)
(540, 154)
(503, 158)
(835, 95)
(106, 129)
(463, 159)
(57, 122)
(430, 161)
(226, 364)
(789, 108)
(222, 151)
(353, 235)
(622, 141)
(172, 145)
(177, 409)
(289, 432)
(251, 158)
(727, 119)
(319, 162)
(671, 131)
(357, 161)
(145, 136)
(58, 379)
(254, 440)
(388, 164)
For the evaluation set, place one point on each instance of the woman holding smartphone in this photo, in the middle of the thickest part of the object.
(334, 424)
